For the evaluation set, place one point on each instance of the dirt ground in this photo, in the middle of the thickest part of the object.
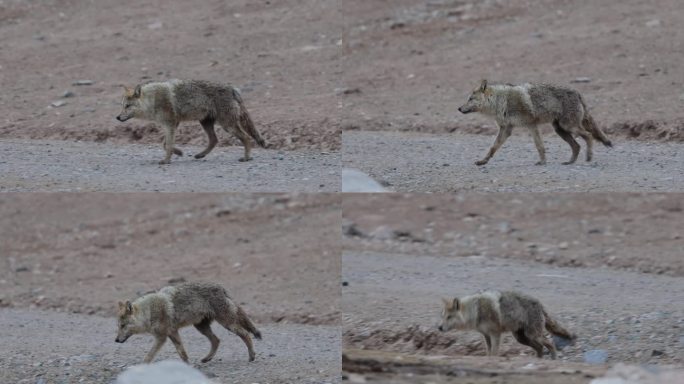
(284, 57)
(63, 166)
(446, 163)
(608, 266)
(68, 258)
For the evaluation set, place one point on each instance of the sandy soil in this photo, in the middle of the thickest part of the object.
(446, 163)
(67, 258)
(40, 165)
(403, 252)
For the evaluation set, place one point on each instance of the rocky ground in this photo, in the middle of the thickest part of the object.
(64, 166)
(446, 163)
(68, 258)
(596, 261)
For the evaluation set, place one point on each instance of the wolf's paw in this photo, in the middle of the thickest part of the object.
(481, 162)
(206, 359)
(243, 159)
(199, 156)
(568, 162)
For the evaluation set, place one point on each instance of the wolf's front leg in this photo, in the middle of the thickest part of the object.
(504, 133)
(158, 342)
(496, 340)
(169, 135)
(488, 343)
(176, 340)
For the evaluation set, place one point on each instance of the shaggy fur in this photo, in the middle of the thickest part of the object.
(163, 313)
(171, 102)
(530, 105)
(493, 313)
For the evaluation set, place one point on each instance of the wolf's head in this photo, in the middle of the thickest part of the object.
(128, 323)
(476, 101)
(452, 315)
(130, 104)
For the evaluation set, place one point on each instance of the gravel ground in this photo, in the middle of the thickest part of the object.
(392, 302)
(50, 347)
(412, 162)
(39, 165)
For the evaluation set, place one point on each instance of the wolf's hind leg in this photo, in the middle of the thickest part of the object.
(549, 345)
(574, 146)
(241, 332)
(504, 133)
(539, 143)
(204, 327)
(589, 140)
(176, 340)
(208, 126)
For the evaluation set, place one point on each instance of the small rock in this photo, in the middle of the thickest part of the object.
(345, 283)
(596, 356)
(58, 103)
(656, 352)
(155, 25)
(581, 80)
(21, 269)
(561, 342)
(83, 82)
(653, 23)
(177, 280)
(563, 245)
(68, 94)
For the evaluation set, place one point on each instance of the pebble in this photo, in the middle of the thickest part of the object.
(83, 82)
(581, 80)
(58, 103)
(596, 356)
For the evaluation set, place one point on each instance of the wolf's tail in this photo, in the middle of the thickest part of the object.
(556, 328)
(590, 125)
(247, 324)
(246, 121)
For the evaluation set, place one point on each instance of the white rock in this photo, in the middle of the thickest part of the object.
(167, 372)
(354, 180)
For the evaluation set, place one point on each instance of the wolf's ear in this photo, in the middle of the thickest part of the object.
(122, 306)
(455, 304)
(128, 90)
(446, 302)
(483, 85)
(138, 91)
(129, 308)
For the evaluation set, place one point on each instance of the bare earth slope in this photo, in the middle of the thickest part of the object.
(282, 55)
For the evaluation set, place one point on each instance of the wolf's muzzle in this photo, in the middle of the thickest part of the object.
(122, 118)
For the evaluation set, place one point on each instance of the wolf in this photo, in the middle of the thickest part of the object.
(171, 102)
(493, 313)
(532, 104)
(164, 312)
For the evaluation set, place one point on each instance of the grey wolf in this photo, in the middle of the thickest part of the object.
(493, 313)
(532, 104)
(164, 312)
(171, 102)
